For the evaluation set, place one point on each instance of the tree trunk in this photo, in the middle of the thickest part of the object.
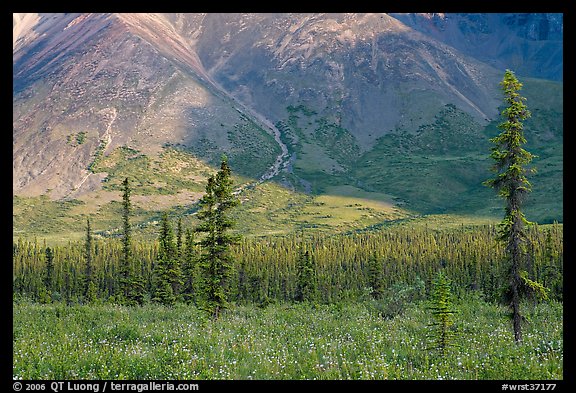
(516, 254)
(516, 316)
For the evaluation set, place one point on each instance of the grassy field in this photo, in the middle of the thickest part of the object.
(282, 341)
(266, 209)
(272, 209)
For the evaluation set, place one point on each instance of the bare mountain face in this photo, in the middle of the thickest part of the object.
(366, 72)
(107, 81)
(530, 44)
(288, 96)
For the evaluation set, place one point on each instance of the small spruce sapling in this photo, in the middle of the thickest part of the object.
(442, 335)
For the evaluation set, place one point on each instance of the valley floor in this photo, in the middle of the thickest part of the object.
(282, 341)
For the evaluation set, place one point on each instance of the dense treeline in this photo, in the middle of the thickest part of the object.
(344, 267)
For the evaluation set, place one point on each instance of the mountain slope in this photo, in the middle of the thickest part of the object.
(397, 106)
(115, 88)
(367, 72)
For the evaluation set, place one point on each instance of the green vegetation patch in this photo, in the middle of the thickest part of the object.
(288, 341)
(323, 150)
(171, 172)
(268, 209)
(76, 139)
(251, 150)
(81, 138)
(94, 165)
(441, 167)
(43, 216)
(272, 209)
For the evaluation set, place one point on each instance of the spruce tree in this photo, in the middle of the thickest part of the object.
(178, 278)
(216, 262)
(167, 276)
(175, 275)
(90, 289)
(124, 279)
(513, 186)
(375, 272)
(45, 291)
(189, 267)
(306, 277)
(442, 310)
(179, 239)
(49, 269)
(131, 282)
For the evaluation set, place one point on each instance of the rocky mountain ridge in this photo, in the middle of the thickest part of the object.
(273, 91)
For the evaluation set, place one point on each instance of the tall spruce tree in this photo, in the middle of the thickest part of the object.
(125, 264)
(167, 274)
(131, 282)
(90, 289)
(49, 269)
(216, 262)
(45, 294)
(512, 185)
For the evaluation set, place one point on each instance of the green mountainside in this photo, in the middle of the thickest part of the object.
(434, 171)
